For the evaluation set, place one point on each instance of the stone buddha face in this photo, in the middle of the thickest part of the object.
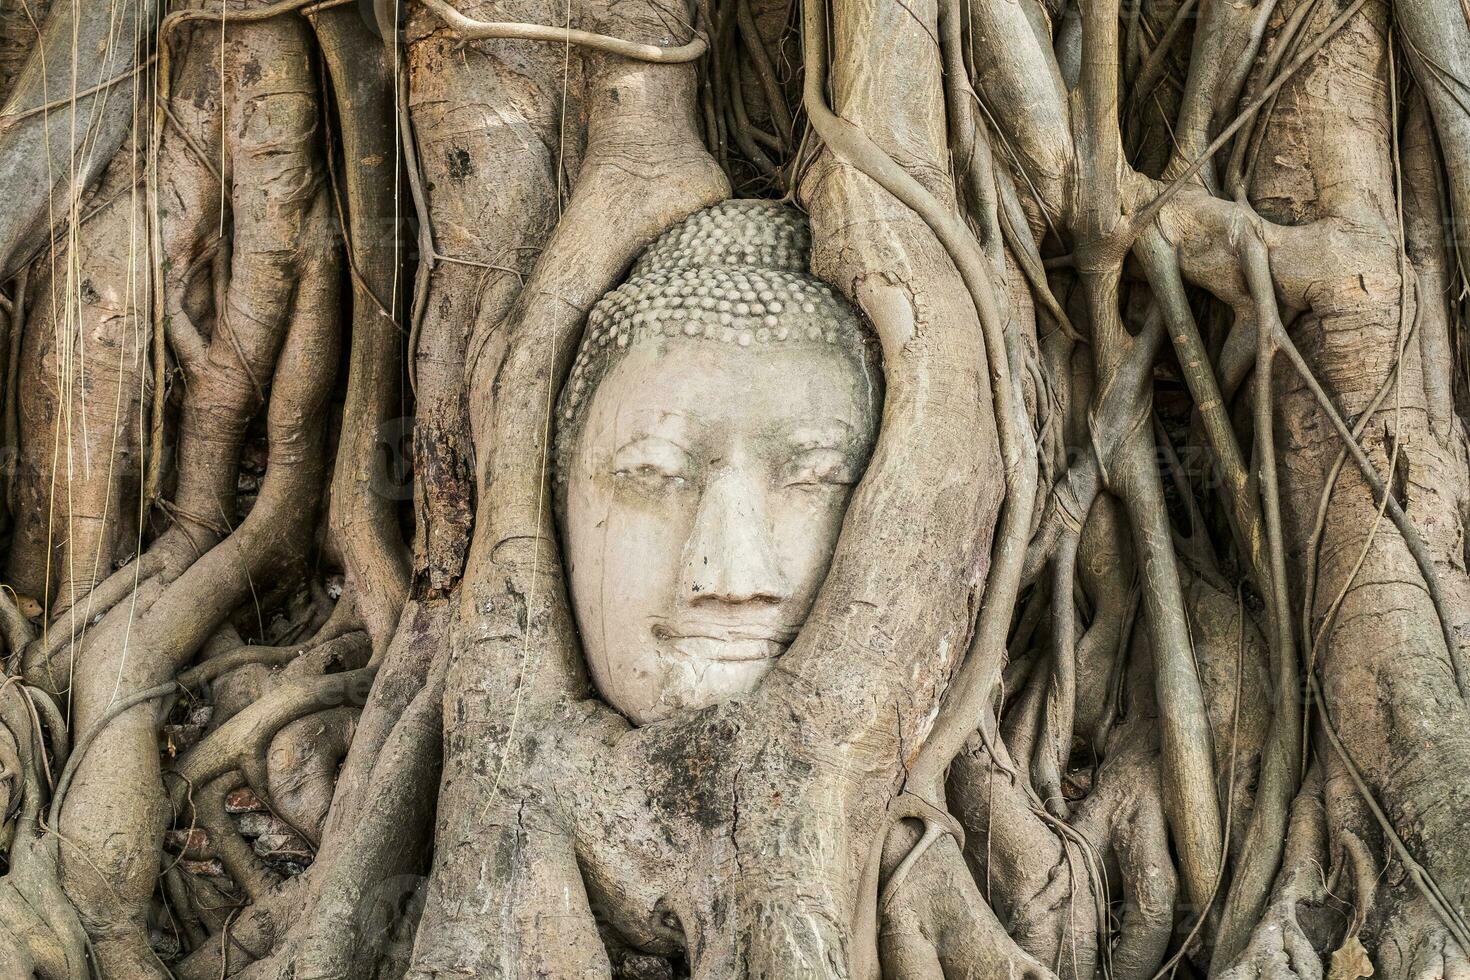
(714, 426)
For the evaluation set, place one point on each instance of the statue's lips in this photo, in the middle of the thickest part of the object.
(726, 645)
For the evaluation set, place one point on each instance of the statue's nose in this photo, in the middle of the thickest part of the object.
(731, 555)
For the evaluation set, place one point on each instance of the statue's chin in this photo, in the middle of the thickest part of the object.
(694, 675)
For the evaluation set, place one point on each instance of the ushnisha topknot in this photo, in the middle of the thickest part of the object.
(736, 273)
(753, 234)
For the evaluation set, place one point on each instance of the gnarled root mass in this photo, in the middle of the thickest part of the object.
(1143, 648)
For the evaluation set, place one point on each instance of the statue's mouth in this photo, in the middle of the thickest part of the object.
(722, 644)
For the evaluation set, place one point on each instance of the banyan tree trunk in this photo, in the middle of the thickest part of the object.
(1143, 646)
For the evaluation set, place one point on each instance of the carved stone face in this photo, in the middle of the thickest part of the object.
(703, 501)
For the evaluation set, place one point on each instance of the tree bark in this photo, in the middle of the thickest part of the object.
(1145, 637)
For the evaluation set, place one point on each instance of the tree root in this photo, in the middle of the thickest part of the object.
(471, 29)
(1301, 914)
(40, 932)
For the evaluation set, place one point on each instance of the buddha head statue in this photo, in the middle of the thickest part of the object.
(720, 411)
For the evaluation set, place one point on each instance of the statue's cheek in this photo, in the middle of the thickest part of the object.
(807, 529)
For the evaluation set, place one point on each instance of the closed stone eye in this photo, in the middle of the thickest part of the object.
(650, 476)
(819, 469)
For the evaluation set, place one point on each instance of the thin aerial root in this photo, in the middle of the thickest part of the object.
(1412, 540)
(471, 29)
(1145, 216)
(969, 693)
(1424, 882)
(1054, 748)
(1280, 765)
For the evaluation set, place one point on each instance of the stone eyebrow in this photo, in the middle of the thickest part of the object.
(651, 438)
(832, 431)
